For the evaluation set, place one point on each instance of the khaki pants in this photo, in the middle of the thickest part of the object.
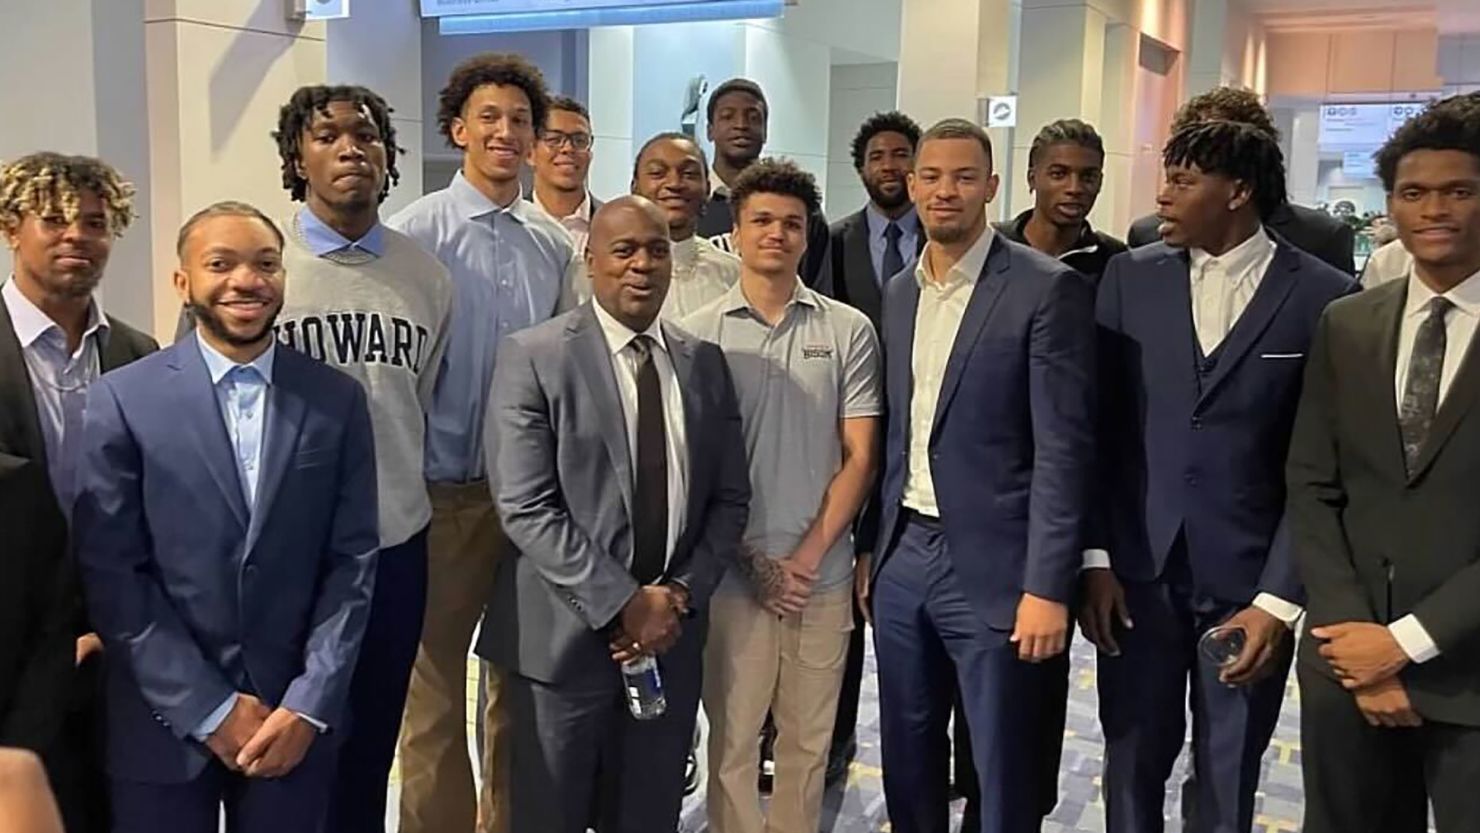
(463, 548)
(756, 662)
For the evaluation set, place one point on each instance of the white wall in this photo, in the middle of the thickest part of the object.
(858, 91)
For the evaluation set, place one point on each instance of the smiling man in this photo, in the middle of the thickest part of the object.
(509, 264)
(367, 300)
(562, 162)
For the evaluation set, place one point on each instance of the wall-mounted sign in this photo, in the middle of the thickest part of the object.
(318, 9)
(1358, 164)
(463, 17)
(1002, 111)
(1350, 126)
(444, 8)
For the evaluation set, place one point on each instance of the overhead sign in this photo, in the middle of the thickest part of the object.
(1363, 125)
(462, 17)
(444, 8)
(1002, 111)
(1358, 164)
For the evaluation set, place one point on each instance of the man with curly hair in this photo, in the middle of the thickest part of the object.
(807, 375)
(369, 301)
(509, 263)
(1307, 229)
(60, 216)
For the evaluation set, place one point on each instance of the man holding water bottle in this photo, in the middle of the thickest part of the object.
(1195, 419)
(617, 464)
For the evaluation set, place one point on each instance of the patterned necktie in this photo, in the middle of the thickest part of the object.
(650, 492)
(893, 261)
(1421, 391)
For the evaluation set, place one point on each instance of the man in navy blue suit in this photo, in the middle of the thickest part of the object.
(227, 534)
(989, 456)
(1203, 339)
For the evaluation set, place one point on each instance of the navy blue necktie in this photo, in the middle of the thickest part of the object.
(893, 262)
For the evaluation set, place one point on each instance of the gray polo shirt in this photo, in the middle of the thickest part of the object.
(796, 382)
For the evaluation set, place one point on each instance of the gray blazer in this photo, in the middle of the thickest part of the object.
(562, 481)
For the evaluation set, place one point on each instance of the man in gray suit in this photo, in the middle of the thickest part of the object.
(618, 468)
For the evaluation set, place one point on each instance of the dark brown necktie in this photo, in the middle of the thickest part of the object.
(650, 493)
(1421, 390)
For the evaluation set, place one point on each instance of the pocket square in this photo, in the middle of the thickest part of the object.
(1282, 356)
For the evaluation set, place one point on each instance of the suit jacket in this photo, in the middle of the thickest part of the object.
(195, 594)
(1012, 443)
(41, 610)
(1200, 448)
(1312, 231)
(718, 219)
(1375, 543)
(850, 274)
(562, 481)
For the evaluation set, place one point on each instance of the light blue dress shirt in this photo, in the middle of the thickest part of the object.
(909, 239)
(59, 381)
(508, 267)
(323, 240)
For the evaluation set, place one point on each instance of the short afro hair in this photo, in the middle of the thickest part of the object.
(226, 208)
(1236, 150)
(890, 122)
(504, 70)
(1226, 104)
(776, 176)
(1450, 124)
(47, 183)
(736, 85)
(1065, 131)
(296, 116)
(958, 129)
(566, 104)
(669, 136)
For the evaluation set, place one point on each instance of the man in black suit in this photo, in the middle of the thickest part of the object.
(60, 215)
(865, 250)
(737, 115)
(1313, 232)
(1382, 510)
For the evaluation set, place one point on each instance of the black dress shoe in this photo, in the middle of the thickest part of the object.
(839, 758)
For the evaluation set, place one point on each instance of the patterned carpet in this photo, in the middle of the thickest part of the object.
(858, 805)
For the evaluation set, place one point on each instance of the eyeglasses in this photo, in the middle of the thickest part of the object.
(555, 140)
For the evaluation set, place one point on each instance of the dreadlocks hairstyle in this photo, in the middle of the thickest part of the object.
(669, 136)
(736, 85)
(1449, 124)
(1072, 131)
(777, 176)
(1236, 150)
(958, 129)
(1226, 104)
(296, 116)
(504, 70)
(44, 184)
(890, 122)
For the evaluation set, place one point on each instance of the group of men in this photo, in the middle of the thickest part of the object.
(696, 424)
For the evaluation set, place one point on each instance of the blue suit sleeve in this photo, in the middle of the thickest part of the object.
(1061, 391)
(129, 606)
(346, 577)
(214, 720)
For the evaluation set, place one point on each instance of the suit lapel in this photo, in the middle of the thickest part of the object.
(899, 346)
(983, 298)
(858, 268)
(20, 425)
(282, 424)
(1170, 287)
(114, 350)
(681, 353)
(1279, 280)
(1383, 354)
(200, 417)
(593, 359)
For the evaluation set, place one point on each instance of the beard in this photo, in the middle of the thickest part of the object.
(886, 201)
(205, 316)
(947, 234)
(73, 284)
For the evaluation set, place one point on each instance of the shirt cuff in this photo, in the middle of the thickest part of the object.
(1096, 560)
(1287, 612)
(318, 725)
(1414, 639)
(214, 720)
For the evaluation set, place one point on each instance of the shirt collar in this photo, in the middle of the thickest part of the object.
(735, 300)
(1465, 296)
(717, 186)
(967, 269)
(582, 212)
(619, 335)
(908, 222)
(1085, 243)
(30, 323)
(475, 203)
(1238, 260)
(218, 365)
(322, 240)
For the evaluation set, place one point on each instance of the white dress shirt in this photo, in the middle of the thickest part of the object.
(1220, 290)
(624, 365)
(1459, 331)
(937, 320)
(577, 224)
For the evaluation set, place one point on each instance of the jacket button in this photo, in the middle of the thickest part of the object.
(1196, 424)
(1190, 478)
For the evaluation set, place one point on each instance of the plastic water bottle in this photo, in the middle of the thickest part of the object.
(644, 686)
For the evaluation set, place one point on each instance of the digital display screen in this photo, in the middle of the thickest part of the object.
(443, 8)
